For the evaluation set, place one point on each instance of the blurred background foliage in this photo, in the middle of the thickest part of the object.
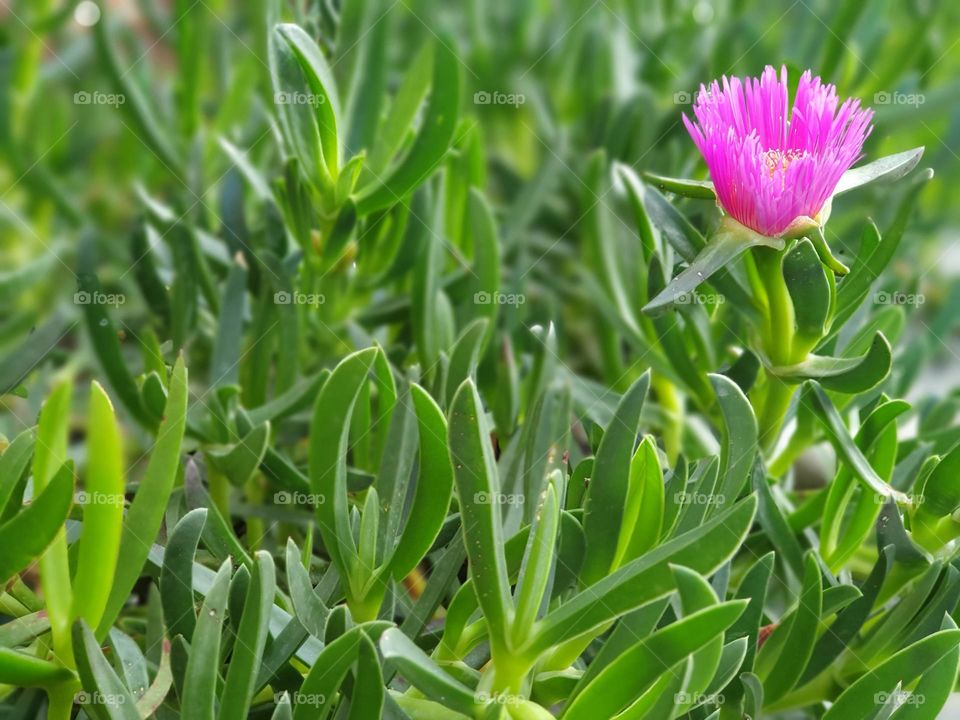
(143, 156)
(545, 86)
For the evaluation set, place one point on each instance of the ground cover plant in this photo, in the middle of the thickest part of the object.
(422, 360)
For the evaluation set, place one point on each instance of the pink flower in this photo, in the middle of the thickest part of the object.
(772, 164)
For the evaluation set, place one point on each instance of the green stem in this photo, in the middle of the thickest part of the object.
(775, 406)
(365, 609)
(255, 526)
(778, 342)
(219, 491)
(780, 320)
(795, 446)
(61, 700)
(673, 415)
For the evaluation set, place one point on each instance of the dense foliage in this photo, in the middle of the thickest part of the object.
(373, 360)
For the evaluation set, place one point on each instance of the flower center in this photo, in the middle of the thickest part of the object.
(779, 160)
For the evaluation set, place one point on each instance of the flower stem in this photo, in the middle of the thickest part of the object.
(775, 406)
(778, 341)
(365, 609)
(780, 320)
(672, 404)
(219, 491)
(61, 698)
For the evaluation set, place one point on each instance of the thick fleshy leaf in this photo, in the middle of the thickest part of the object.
(772, 520)
(31, 531)
(753, 588)
(239, 462)
(609, 485)
(703, 549)
(200, 684)
(537, 561)
(366, 700)
(940, 493)
(695, 595)
(809, 288)
(729, 242)
(486, 258)
(49, 456)
(318, 693)
(464, 357)
(424, 674)
(851, 376)
(874, 255)
(816, 399)
(849, 620)
(432, 140)
(431, 499)
(801, 631)
(478, 488)
(176, 575)
(700, 189)
(618, 683)
(224, 364)
(105, 694)
(102, 501)
(23, 629)
(13, 464)
(403, 109)
(155, 695)
(251, 639)
(33, 349)
(330, 435)
(899, 670)
(847, 516)
(739, 445)
(671, 331)
(886, 168)
(24, 670)
(143, 519)
(310, 609)
(643, 510)
(296, 398)
(306, 99)
(933, 690)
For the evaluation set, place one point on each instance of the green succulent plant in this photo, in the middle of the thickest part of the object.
(498, 407)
